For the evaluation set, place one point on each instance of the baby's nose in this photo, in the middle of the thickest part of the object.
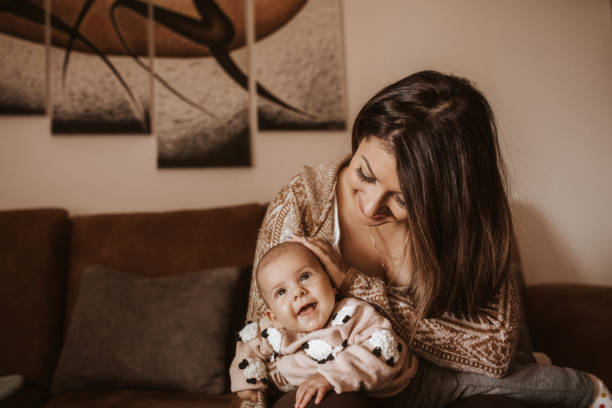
(300, 291)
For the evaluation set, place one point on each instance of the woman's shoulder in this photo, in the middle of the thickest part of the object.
(313, 187)
(319, 180)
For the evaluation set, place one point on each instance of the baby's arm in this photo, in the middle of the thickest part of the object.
(374, 359)
(370, 357)
(248, 371)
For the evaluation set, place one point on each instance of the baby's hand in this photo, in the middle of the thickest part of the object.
(317, 385)
(247, 395)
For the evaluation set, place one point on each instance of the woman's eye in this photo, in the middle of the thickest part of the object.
(399, 201)
(304, 276)
(363, 177)
(280, 292)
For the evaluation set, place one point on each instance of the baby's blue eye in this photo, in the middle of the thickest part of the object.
(304, 276)
(280, 292)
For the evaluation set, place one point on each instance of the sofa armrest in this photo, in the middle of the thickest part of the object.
(29, 396)
(572, 323)
(33, 264)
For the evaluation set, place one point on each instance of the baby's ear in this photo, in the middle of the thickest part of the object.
(272, 317)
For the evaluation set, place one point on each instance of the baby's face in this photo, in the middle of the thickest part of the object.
(298, 292)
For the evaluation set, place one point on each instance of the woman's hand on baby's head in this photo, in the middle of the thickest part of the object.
(331, 259)
(315, 385)
(247, 395)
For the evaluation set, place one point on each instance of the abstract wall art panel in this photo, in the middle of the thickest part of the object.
(100, 68)
(22, 57)
(299, 59)
(201, 84)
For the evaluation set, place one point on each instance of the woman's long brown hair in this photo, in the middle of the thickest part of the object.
(442, 132)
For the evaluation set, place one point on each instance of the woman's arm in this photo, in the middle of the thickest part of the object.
(282, 218)
(302, 207)
(483, 343)
(375, 359)
(248, 368)
(288, 213)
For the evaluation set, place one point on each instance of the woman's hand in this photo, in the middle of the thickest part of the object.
(317, 385)
(247, 395)
(330, 258)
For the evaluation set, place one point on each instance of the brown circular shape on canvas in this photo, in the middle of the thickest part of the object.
(97, 25)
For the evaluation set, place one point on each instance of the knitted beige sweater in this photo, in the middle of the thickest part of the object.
(481, 344)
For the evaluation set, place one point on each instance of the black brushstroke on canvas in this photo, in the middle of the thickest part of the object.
(33, 13)
(214, 30)
(226, 144)
(141, 9)
(269, 120)
(99, 126)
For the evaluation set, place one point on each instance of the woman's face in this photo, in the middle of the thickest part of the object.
(375, 189)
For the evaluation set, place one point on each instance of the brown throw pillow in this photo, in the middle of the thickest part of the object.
(133, 331)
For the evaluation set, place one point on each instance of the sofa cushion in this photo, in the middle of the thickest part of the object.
(107, 398)
(163, 243)
(134, 331)
(33, 263)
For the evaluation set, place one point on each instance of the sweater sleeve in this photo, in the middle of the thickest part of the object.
(483, 343)
(248, 368)
(375, 359)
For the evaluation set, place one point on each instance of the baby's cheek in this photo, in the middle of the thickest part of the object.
(287, 312)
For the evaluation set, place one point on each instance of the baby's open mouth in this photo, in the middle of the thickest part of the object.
(307, 309)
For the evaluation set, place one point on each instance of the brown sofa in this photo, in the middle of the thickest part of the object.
(43, 253)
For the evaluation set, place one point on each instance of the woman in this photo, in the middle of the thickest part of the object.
(421, 217)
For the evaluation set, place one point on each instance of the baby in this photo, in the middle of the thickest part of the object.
(309, 341)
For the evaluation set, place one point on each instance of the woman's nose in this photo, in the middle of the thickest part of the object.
(372, 202)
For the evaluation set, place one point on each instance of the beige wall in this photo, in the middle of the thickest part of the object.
(546, 67)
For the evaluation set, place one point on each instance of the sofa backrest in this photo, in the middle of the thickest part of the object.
(33, 255)
(163, 243)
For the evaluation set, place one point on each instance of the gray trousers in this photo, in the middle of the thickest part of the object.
(434, 386)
